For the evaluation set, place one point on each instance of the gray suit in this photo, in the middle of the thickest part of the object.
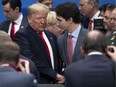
(62, 44)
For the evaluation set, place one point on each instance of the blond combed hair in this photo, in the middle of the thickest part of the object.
(51, 18)
(38, 7)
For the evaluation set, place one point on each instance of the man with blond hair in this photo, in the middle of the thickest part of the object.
(40, 45)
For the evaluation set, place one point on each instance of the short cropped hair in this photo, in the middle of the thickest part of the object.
(40, 1)
(68, 10)
(13, 3)
(9, 53)
(35, 8)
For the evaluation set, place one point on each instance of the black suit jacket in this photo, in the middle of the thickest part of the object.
(9, 77)
(93, 71)
(5, 25)
(33, 48)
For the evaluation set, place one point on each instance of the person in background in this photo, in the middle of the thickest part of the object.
(106, 19)
(90, 8)
(68, 16)
(15, 19)
(111, 39)
(26, 65)
(9, 62)
(103, 9)
(48, 3)
(96, 69)
(52, 24)
(40, 46)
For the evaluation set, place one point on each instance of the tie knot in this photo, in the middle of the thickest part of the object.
(13, 22)
(90, 21)
(40, 33)
(70, 36)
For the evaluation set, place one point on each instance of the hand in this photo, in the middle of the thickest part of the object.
(60, 78)
(112, 54)
(24, 68)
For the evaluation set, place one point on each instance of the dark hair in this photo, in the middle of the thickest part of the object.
(107, 6)
(40, 1)
(9, 53)
(13, 3)
(94, 43)
(68, 10)
(110, 7)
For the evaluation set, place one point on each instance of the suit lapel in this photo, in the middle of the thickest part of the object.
(77, 46)
(24, 23)
(6, 26)
(65, 47)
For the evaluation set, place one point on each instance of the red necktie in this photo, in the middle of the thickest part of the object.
(70, 48)
(12, 33)
(90, 25)
(46, 46)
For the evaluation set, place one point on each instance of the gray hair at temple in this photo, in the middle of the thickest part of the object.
(96, 2)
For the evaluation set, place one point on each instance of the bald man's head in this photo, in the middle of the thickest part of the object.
(94, 41)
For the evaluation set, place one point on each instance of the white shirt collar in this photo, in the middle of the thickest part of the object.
(3, 65)
(96, 15)
(75, 33)
(95, 53)
(19, 20)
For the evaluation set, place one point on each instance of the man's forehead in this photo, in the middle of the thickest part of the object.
(47, 1)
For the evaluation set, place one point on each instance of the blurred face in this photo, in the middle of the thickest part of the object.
(63, 24)
(55, 29)
(113, 19)
(48, 3)
(106, 19)
(85, 7)
(38, 21)
(10, 13)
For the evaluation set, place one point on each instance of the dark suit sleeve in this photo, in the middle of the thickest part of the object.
(22, 40)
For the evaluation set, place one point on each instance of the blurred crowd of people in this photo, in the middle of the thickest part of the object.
(73, 46)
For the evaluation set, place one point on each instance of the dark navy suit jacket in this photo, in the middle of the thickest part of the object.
(33, 48)
(5, 25)
(9, 77)
(93, 71)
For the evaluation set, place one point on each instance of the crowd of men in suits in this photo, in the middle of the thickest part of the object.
(79, 56)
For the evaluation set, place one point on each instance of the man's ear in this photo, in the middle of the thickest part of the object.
(70, 20)
(17, 9)
(82, 50)
(29, 19)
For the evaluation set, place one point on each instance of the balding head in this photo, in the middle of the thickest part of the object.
(94, 41)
